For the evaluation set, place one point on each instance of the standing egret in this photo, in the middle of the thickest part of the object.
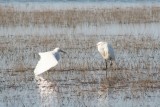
(47, 60)
(107, 52)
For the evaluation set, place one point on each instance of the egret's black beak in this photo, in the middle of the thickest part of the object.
(62, 51)
(93, 46)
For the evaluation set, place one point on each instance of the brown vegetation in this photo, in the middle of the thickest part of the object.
(141, 51)
(136, 68)
(72, 17)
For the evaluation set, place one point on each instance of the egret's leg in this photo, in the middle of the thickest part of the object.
(106, 67)
(48, 74)
(111, 63)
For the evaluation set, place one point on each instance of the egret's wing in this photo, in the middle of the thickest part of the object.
(46, 62)
(111, 52)
(106, 50)
(103, 49)
(103, 52)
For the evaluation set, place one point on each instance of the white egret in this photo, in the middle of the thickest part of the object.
(47, 60)
(107, 52)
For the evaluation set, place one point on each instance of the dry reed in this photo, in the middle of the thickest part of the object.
(73, 17)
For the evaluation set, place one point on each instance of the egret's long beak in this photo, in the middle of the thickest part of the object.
(93, 46)
(62, 51)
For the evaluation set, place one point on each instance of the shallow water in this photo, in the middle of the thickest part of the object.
(70, 89)
(34, 6)
(147, 29)
(80, 79)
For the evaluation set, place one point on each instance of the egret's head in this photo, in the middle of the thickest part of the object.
(100, 43)
(59, 50)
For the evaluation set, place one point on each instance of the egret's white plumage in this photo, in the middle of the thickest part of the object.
(47, 60)
(106, 51)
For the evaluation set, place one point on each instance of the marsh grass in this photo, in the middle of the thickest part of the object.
(19, 67)
(142, 50)
(73, 17)
(81, 73)
(136, 57)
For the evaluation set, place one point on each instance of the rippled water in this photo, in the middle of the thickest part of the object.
(80, 1)
(148, 29)
(34, 6)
